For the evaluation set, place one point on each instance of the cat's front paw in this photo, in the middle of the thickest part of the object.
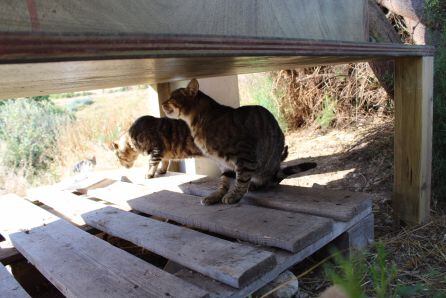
(149, 176)
(230, 198)
(161, 172)
(211, 199)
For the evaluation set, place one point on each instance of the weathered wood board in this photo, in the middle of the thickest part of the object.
(284, 261)
(413, 138)
(317, 19)
(228, 262)
(336, 204)
(82, 265)
(8, 253)
(9, 287)
(286, 230)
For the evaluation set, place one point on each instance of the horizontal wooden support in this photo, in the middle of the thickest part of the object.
(46, 47)
(32, 79)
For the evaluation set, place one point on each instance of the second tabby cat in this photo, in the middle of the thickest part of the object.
(163, 138)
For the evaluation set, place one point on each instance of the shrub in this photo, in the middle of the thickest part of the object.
(77, 104)
(28, 133)
(261, 92)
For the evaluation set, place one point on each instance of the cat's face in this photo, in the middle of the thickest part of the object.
(181, 101)
(125, 153)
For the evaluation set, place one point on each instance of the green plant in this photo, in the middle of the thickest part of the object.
(328, 112)
(28, 134)
(349, 273)
(262, 93)
(382, 274)
(77, 104)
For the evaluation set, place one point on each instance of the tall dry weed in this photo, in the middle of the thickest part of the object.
(338, 95)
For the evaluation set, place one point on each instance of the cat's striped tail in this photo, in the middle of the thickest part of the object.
(287, 171)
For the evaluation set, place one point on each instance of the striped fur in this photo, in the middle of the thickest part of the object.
(162, 138)
(246, 140)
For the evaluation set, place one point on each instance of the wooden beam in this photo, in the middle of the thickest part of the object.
(413, 138)
(44, 47)
(32, 79)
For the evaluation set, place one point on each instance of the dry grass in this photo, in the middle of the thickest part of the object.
(99, 124)
(334, 96)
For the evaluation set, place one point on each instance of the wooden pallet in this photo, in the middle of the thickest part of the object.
(221, 251)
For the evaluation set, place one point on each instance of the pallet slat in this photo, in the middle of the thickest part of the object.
(336, 204)
(9, 287)
(285, 260)
(231, 263)
(82, 265)
(286, 230)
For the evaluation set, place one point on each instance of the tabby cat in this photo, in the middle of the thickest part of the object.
(246, 140)
(163, 138)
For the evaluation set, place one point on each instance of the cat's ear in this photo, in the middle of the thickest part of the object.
(192, 87)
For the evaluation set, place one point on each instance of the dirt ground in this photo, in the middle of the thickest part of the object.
(361, 159)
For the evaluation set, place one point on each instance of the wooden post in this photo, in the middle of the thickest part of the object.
(413, 138)
(159, 93)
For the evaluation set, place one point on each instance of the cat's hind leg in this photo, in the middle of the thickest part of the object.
(215, 197)
(245, 169)
(164, 166)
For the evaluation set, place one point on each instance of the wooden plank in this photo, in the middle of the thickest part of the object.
(41, 47)
(9, 287)
(335, 204)
(228, 262)
(357, 237)
(286, 230)
(413, 138)
(118, 190)
(30, 79)
(317, 19)
(8, 254)
(79, 264)
(285, 260)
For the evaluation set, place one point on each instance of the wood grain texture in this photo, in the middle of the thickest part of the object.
(80, 264)
(335, 204)
(9, 287)
(413, 138)
(43, 47)
(231, 263)
(284, 261)
(357, 237)
(8, 254)
(286, 230)
(316, 19)
(31, 79)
